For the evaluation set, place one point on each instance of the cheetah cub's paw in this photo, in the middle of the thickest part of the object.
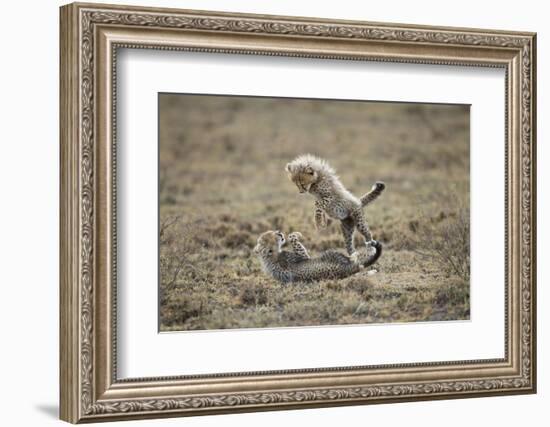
(295, 236)
(354, 257)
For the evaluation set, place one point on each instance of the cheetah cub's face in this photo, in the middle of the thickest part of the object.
(302, 175)
(270, 244)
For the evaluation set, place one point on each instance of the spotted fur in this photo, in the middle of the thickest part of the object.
(315, 176)
(297, 266)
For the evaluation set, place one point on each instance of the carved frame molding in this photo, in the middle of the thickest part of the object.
(90, 36)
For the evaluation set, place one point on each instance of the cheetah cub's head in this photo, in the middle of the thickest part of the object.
(306, 170)
(269, 244)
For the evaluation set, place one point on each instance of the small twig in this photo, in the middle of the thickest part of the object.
(165, 225)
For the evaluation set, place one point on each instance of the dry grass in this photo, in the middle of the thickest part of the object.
(223, 183)
(449, 244)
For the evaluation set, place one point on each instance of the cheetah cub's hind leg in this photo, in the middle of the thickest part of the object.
(363, 228)
(348, 227)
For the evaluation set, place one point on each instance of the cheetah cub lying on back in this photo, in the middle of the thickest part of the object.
(297, 266)
(315, 176)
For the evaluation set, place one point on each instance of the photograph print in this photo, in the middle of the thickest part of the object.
(287, 212)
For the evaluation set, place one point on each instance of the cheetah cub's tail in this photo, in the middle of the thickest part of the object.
(367, 260)
(373, 194)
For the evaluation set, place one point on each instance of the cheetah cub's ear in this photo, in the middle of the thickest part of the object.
(288, 168)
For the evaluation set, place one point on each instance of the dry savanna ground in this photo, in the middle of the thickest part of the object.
(222, 183)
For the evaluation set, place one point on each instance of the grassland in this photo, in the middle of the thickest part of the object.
(222, 183)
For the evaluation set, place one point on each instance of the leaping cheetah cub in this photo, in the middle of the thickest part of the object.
(315, 176)
(298, 266)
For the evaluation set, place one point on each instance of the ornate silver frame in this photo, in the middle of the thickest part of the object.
(90, 36)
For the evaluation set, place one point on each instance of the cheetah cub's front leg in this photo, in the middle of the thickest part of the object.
(320, 217)
(297, 247)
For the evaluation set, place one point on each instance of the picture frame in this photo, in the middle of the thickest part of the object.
(91, 35)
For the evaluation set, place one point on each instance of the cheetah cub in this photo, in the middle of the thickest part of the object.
(315, 176)
(297, 266)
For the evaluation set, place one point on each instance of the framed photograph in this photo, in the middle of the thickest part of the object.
(266, 213)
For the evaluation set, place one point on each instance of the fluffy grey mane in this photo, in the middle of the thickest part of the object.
(318, 164)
